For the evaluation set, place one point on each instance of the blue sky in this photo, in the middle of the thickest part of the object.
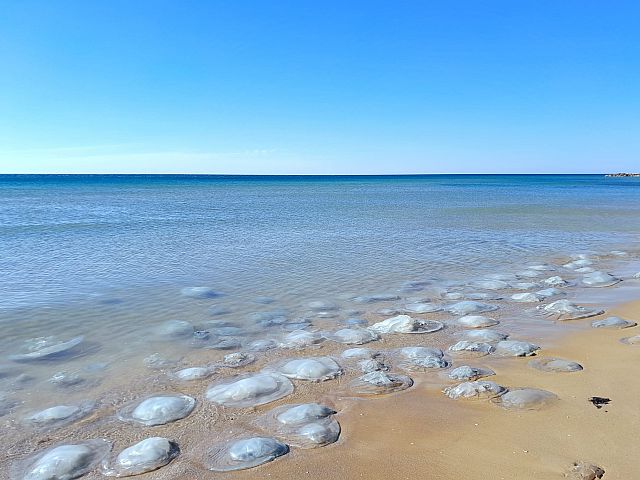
(328, 87)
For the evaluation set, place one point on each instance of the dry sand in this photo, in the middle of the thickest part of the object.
(422, 434)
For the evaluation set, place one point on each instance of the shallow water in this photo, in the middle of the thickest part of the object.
(108, 258)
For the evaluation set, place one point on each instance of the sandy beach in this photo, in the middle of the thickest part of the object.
(423, 434)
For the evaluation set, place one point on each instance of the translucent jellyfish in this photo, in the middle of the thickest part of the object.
(380, 297)
(269, 319)
(466, 372)
(385, 312)
(249, 390)
(263, 300)
(301, 339)
(556, 365)
(542, 267)
(476, 389)
(355, 322)
(636, 275)
(225, 343)
(193, 373)
(577, 263)
(515, 348)
(373, 365)
(228, 331)
(635, 340)
(64, 462)
(555, 281)
(175, 328)
(156, 361)
(296, 325)
(470, 306)
(353, 336)
(613, 322)
(485, 335)
(469, 348)
(526, 399)
(357, 353)
(158, 410)
(482, 296)
(244, 453)
(584, 471)
(261, 345)
(416, 359)
(477, 321)
(527, 297)
(406, 324)
(219, 310)
(199, 292)
(422, 307)
(59, 415)
(563, 310)
(379, 383)
(317, 369)
(490, 284)
(46, 348)
(525, 285)
(307, 426)
(529, 274)
(585, 270)
(238, 359)
(599, 279)
(322, 306)
(145, 456)
(550, 292)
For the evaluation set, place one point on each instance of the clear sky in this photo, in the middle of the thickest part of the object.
(335, 87)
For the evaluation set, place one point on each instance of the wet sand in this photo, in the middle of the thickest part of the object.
(422, 434)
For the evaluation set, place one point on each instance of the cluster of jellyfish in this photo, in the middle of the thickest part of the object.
(373, 372)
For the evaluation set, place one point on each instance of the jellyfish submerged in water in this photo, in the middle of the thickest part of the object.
(244, 453)
(465, 372)
(613, 322)
(477, 321)
(301, 339)
(470, 306)
(145, 456)
(515, 348)
(308, 425)
(526, 399)
(380, 297)
(406, 324)
(322, 306)
(556, 365)
(599, 279)
(199, 292)
(490, 284)
(158, 409)
(175, 329)
(563, 310)
(59, 415)
(422, 307)
(475, 389)
(379, 383)
(64, 462)
(316, 369)
(46, 348)
(555, 281)
(420, 359)
(250, 390)
(353, 336)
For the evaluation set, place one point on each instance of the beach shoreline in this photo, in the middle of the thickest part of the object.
(421, 432)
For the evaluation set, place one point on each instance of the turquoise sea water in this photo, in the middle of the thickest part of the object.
(106, 258)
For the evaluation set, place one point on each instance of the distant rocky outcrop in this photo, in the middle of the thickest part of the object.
(622, 175)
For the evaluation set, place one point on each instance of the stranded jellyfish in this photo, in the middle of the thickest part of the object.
(613, 322)
(244, 453)
(406, 324)
(249, 390)
(556, 365)
(526, 399)
(158, 409)
(471, 348)
(599, 279)
(465, 372)
(145, 456)
(416, 359)
(563, 310)
(485, 335)
(64, 462)
(379, 383)
(515, 348)
(476, 389)
(353, 336)
(59, 415)
(317, 369)
(477, 321)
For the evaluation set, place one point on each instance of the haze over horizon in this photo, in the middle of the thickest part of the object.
(319, 88)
